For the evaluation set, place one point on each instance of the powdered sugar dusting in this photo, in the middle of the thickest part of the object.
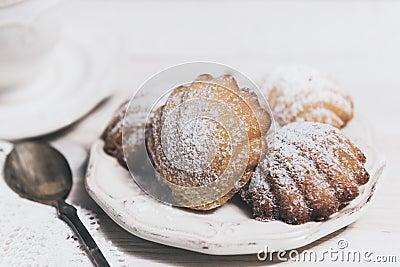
(132, 122)
(310, 171)
(208, 133)
(299, 93)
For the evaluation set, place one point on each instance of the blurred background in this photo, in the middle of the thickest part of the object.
(356, 41)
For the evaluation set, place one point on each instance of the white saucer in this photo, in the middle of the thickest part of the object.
(228, 230)
(78, 76)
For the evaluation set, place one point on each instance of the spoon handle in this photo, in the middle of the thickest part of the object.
(68, 213)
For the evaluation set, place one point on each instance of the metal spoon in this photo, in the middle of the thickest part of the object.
(40, 173)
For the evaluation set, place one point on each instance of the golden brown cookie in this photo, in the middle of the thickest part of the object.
(310, 171)
(112, 135)
(196, 152)
(299, 93)
(134, 130)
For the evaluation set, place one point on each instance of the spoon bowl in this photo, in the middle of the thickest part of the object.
(38, 172)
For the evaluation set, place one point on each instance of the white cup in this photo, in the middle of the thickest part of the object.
(28, 32)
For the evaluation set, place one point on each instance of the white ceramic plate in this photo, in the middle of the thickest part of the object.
(228, 230)
(78, 76)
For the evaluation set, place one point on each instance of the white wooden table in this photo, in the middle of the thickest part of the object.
(359, 42)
